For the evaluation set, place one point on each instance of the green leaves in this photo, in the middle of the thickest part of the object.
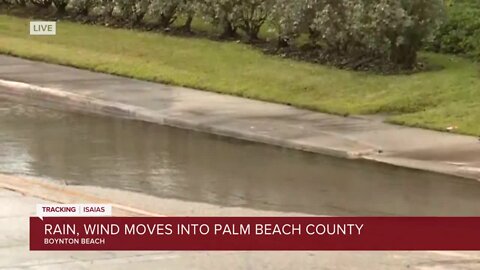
(392, 30)
(460, 34)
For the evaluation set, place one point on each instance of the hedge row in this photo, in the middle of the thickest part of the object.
(387, 31)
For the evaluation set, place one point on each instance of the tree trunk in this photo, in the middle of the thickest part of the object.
(404, 56)
(253, 36)
(61, 9)
(229, 31)
(187, 27)
(283, 42)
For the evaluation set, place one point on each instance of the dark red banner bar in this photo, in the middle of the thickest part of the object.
(255, 233)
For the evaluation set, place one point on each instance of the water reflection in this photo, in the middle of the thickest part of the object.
(180, 164)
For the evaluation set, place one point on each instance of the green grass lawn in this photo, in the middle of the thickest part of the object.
(436, 99)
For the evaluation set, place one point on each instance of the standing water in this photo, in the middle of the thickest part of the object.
(174, 163)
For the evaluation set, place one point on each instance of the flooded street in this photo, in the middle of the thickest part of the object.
(173, 163)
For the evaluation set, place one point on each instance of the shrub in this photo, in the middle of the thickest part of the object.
(460, 34)
(79, 7)
(221, 13)
(60, 5)
(101, 9)
(21, 3)
(131, 12)
(188, 8)
(42, 3)
(286, 18)
(391, 30)
(423, 18)
(230, 15)
(165, 11)
(250, 15)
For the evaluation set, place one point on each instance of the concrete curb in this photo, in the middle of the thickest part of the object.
(431, 166)
(59, 99)
(62, 100)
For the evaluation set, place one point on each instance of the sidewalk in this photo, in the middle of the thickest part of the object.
(16, 208)
(351, 137)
